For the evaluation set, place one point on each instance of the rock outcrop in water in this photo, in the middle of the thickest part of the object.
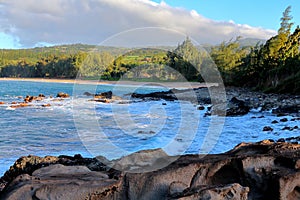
(264, 170)
(238, 100)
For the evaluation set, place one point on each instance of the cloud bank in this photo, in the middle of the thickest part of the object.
(34, 22)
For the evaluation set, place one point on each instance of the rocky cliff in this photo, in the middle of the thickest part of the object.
(264, 170)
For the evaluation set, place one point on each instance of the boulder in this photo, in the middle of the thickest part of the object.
(28, 99)
(166, 95)
(201, 107)
(46, 105)
(62, 182)
(284, 120)
(267, 128)
(287, 109)
(104, 95)
(88, 94)
(237, 107)
(62, 95)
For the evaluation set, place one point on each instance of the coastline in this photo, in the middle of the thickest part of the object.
(178, 85)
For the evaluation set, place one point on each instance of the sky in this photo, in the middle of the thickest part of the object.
(31, 23)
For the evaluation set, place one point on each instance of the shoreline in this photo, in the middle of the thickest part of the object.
(178, 85)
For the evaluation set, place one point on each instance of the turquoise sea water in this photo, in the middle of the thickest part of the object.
(77, 125)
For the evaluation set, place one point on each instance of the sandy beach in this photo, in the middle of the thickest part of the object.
(179, 85)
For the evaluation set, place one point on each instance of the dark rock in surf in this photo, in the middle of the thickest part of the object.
(88, 94)
(104, 95)
(286, 109)
(284, 120)
(267, 128)
(166, 95)
(237, 107)
(201, 107)
(62, 95)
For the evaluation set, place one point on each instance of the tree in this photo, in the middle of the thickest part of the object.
(228, 57)
(186, 59)
(286, 24)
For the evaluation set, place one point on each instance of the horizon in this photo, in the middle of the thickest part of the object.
(131, 47)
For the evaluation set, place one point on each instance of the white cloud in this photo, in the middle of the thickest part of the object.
(92, 21)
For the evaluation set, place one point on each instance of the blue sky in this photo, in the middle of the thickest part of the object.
(261, 13)
(25, 24)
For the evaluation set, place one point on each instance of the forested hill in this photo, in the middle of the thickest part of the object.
(65, 61)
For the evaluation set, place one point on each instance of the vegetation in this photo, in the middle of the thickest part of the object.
(273, 66)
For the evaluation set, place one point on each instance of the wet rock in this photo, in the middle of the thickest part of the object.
(281, 115)
(166, 95)
(19, 105)
(295, 119)
(104, 95)
(267, 128)
(287, 109)
(284, 120)
(274, 122)
(237, 107)
(201, 107)
(88, 94)
(287, 128)
(146, 132)
(29, 99)
(281, 140)
(46, 105)
(62, 95)
(101, 100)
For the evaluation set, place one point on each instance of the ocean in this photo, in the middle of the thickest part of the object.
(77, 125)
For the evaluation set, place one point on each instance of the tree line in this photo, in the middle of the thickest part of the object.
(273, 66)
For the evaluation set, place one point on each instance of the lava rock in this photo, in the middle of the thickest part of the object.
(286, 109)
(263, 170)
(104, 95)
(201, 107)
(237, 107)
(62, 95)
(284, 120)
(281, 140)
(287, 128)
(166, 95)
(268, 128)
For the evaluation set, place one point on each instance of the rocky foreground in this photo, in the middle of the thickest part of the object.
(264, 170)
